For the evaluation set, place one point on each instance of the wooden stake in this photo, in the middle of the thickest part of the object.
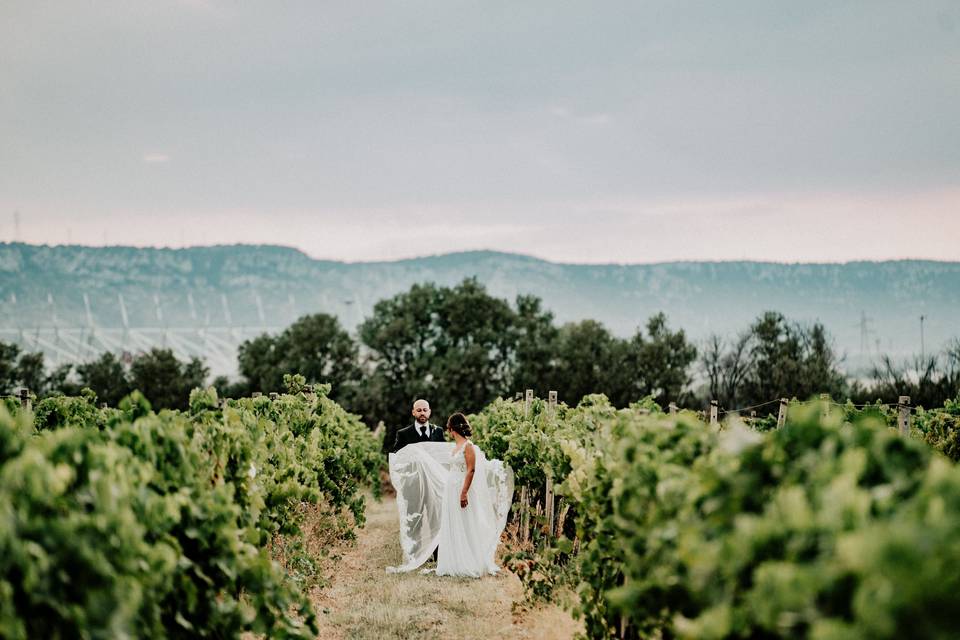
(561, 517)
(25, 399)
(552, 402)
(524, 514)
(714, 409)
(528, 403)
(903, 420)
(673, 408)
(548, 504)
(824, 406)
(782, 414)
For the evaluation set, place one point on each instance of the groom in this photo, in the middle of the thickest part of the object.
(421, 430)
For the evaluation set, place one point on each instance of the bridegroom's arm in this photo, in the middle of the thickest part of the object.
(400, 440)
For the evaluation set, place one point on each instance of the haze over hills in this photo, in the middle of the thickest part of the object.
(74, 301)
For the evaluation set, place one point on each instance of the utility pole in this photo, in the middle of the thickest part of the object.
(865, 332)
(922, 350)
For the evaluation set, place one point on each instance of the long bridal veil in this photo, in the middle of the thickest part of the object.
(419, 473)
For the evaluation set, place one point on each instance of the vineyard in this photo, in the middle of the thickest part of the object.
(830, 521)
(832, 526)
(118, 523)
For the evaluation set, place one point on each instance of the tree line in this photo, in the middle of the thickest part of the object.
(460, 347)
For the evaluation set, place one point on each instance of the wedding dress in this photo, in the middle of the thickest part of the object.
(428, 477)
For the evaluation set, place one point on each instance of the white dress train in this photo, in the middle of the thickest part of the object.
(428, 477)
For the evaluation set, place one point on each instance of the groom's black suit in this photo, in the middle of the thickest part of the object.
(409, 435)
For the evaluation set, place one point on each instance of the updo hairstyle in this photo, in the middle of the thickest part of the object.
(458, 422)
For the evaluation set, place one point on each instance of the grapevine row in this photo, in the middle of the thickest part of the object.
(129, 523)
(832, 526)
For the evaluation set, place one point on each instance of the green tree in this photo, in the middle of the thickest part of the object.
(107, 377)
(587, 360)
(315, 346)
(777, 351)
(164, 380)
(454, 346)
(30, 372)
(8, 367)
(928, 381)
(657, 365)
(59, 381)
(774, 359)
(536, 343)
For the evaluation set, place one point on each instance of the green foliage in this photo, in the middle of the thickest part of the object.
(107, 377)
(315, 346)
(126, 523)
(460, 348)
(940, 428)
(452, 346)
(774, 358)
(658, 364)
(62, 411)
(27, 370)
(166, 381)
(832, 527)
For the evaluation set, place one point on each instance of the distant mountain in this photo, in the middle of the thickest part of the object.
(71, 295)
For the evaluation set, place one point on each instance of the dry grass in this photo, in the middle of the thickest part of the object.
(363, 602)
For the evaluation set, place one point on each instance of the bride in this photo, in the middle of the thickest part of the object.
(450, 498)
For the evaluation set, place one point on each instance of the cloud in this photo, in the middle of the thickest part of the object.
(155, 158)
(592, 119)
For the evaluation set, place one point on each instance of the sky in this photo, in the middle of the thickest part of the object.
(587, 132)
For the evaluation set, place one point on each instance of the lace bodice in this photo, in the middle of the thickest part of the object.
(458, 461)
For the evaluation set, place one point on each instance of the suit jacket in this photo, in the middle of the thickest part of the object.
(408, 435)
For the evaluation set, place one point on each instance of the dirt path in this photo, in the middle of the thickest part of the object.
(362, 601)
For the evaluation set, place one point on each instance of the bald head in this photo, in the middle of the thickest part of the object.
(421, 411)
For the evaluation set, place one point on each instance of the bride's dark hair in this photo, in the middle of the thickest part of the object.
(458, 422)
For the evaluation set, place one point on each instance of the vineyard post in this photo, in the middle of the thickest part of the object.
(713, 413)
(274, 395)
(782, 414)
(824, 406)
(552, 402)
(528, 402)
(103, 405)
(904, 418)
(256, 394)
(673, 408)
(518, 396)
(548, 503)
(524, 513)
(25, 398)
